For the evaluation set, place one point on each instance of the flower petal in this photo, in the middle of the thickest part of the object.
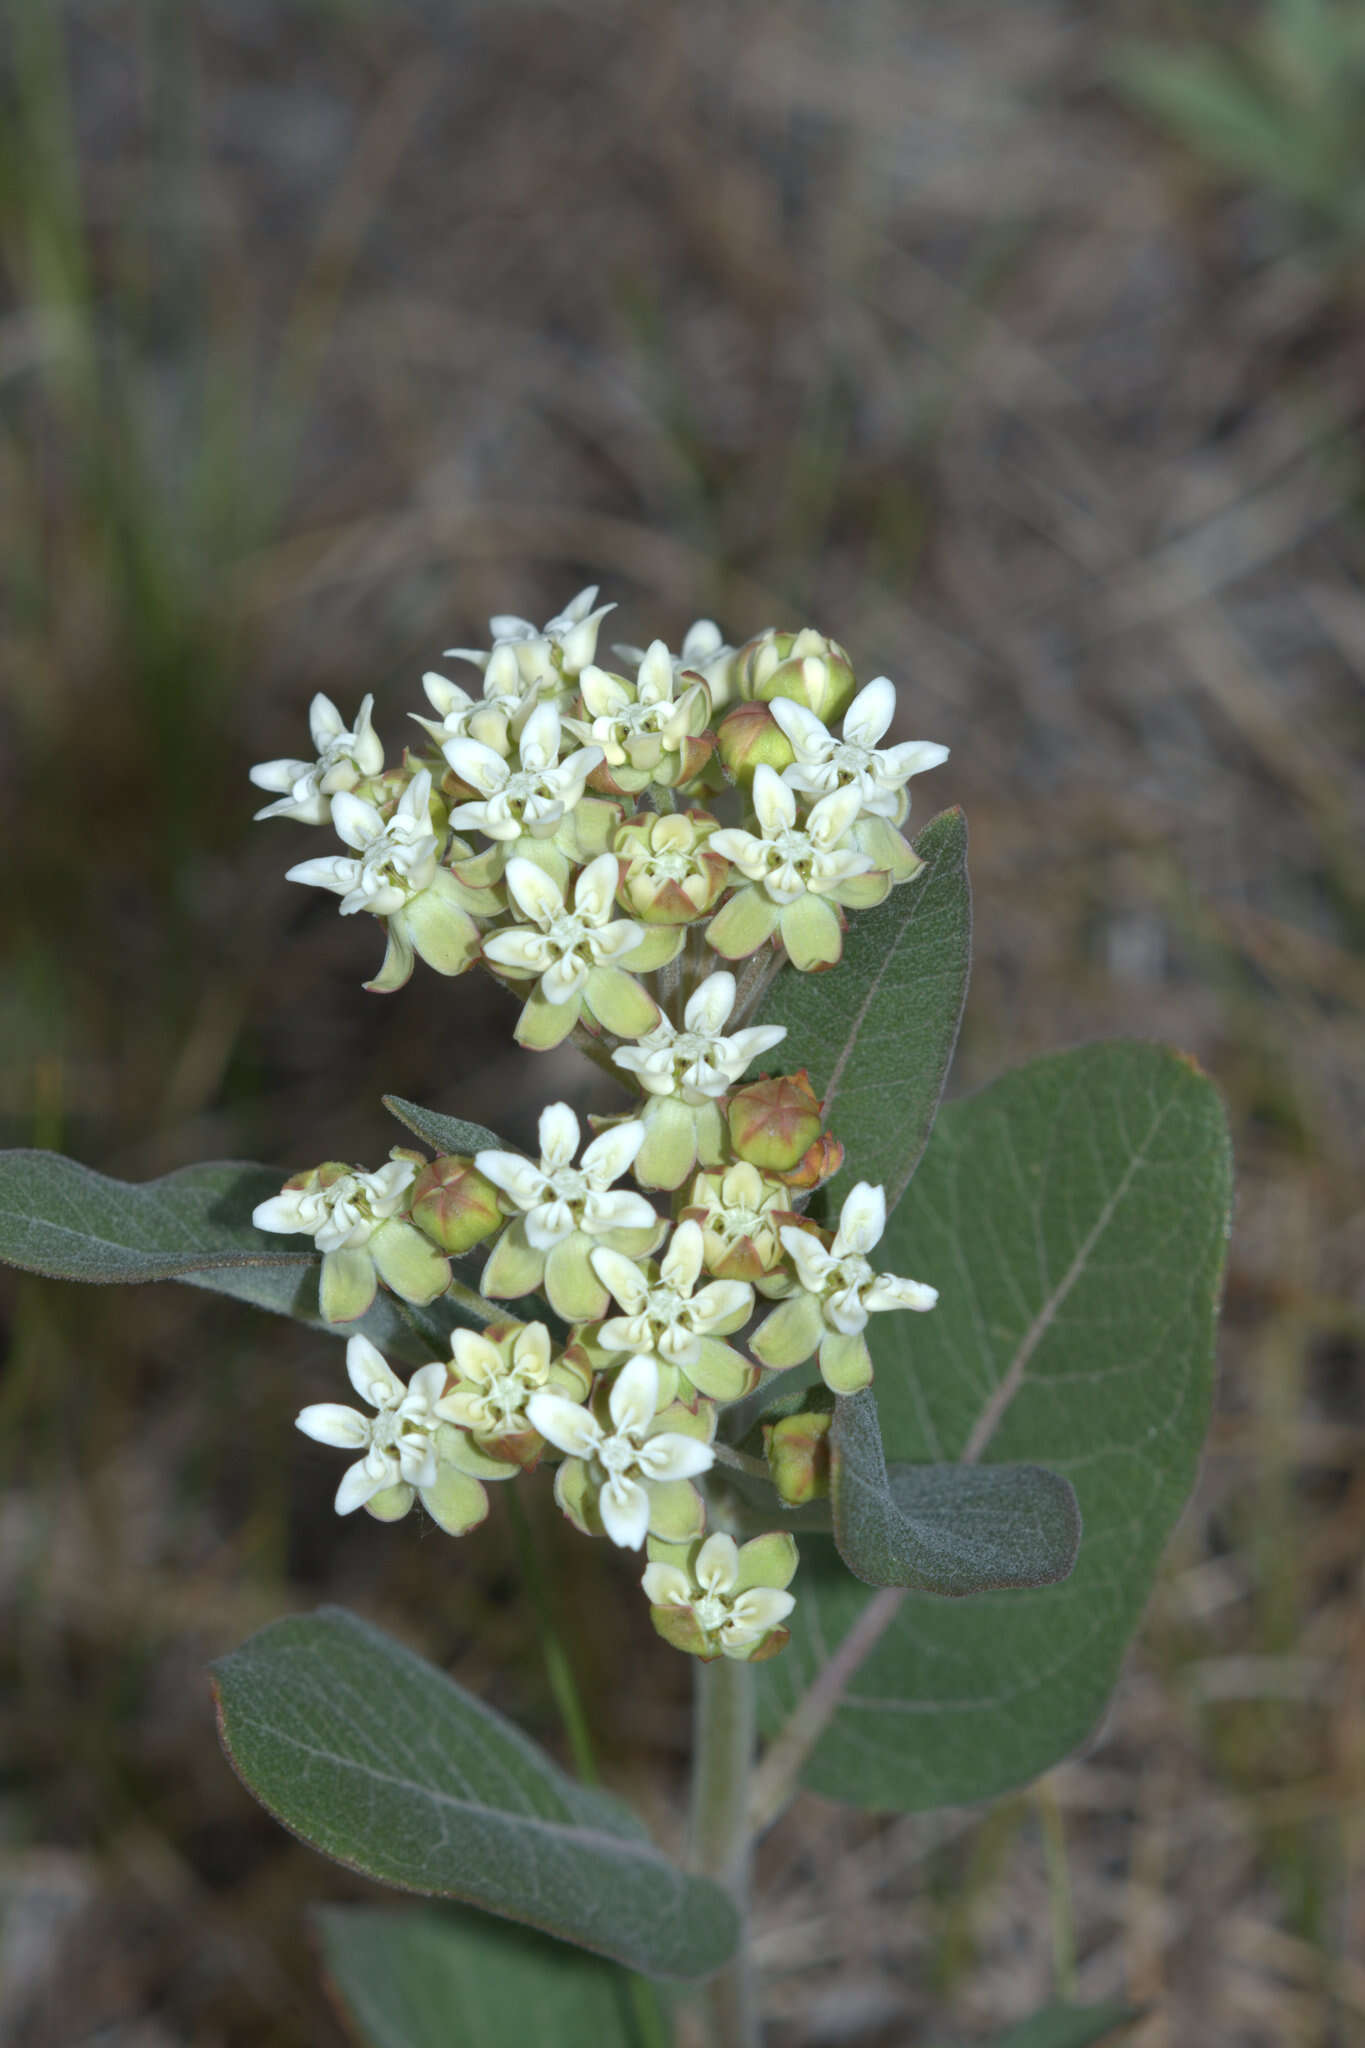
(717, 1565)
(612, 1152)
(861, 1220)
(327, 1422)
(565, 1424)
(623, 1505)
(670, 1455)
(634, 1395)
(871, 712)
(559, 1133)
(371, 1375)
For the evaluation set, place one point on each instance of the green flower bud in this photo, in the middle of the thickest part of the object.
(748, 736)
(797, 1450)
(773, 1123)
(454, 1205)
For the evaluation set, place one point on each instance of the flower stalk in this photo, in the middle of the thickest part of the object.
(724, 1726)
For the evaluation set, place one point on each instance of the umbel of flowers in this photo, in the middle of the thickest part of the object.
(634, 847)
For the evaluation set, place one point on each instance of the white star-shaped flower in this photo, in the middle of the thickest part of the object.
(556, 1197)
(626, 1457)
(727, 1616)
(490, 719)
(841, 1278)
(824, 764)
(698, 1063)
(565, 643)
(671, 1316)
(346, 755)
(397, 1444)
(790, 861)
(560, 945)
(397, 858)
(344, 1214)
(534, 797)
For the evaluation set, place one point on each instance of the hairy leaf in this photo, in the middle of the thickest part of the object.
(379, 1760)
(64, 1219)
(427, 1979)
(443, 1133)
(1074, 1217)
(877, 1035)
(947, 1529)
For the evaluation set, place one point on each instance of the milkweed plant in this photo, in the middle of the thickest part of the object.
(888, 1430)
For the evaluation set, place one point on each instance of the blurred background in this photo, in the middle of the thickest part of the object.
(1021, 346)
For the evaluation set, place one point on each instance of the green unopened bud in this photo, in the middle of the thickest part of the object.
(749, 736)
(454, 1205)
(669, 874)
(804, 666)
(797, 1450)
(774, 1123)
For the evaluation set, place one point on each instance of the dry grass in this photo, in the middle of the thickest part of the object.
(368, 320)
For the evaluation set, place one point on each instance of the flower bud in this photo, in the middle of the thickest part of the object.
(797, 1450)
(816, 1165)
(748, 736)
(773, 1123)
(454, 1205)
(804, 666)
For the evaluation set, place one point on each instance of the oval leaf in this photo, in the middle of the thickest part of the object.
(426, 1979)
(1074, 1217)
(877, 1036)
(947, 1529)
(442, 1133)
(63, 1219)
(379, 1760)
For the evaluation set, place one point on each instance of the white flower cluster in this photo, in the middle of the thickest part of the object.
(564, 824)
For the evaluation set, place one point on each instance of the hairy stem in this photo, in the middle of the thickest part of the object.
(722, 1759)
(592, 1048)
(759, 971)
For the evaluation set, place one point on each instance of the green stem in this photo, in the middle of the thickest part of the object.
(722, 1759)
(650, 2027)
(592, 1048)
(558, 1669)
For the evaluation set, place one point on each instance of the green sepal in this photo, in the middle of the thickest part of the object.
(845, 1362)
(396, 969)
(768, 1560)
(676, 1510)
(347, 1285)
(789, 1335)
(864, 892)
(515, 1267)
(811, 933)
(721, 1372)
(662, 944)
(408, 1262)
(439, 927)
(541, 1025)
(571, 1287)
(669, 1152)
(455, 1502)
(620, 1003)
(742, 924)
(392, 1504)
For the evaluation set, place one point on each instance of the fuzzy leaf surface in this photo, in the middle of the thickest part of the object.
(425, 1979)
(64, 1219)
(1074, 1216)
(379, 1760)
(877, 1034)
(443, 1133)
(947, 1529)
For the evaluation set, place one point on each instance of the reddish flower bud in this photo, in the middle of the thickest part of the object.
(454, 1204)
(749, 736)
(774, 1123)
